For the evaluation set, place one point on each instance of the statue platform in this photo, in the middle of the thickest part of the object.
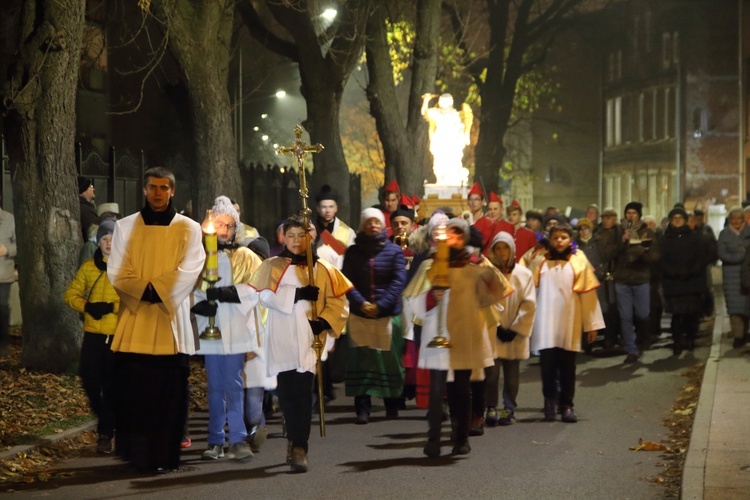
(437, 196)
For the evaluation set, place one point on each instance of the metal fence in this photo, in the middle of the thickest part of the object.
(270, 192)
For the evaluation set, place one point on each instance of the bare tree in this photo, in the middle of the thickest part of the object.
(520, 34)
(404, 142)
(199, 35)
(326, 56)
(39, 119)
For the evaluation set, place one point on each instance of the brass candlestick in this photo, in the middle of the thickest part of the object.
(211, 332)
(211, 272)
(441, 282)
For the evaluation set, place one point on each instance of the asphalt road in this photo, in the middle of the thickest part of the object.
(617, 404)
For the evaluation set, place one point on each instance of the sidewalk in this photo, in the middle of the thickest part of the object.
(717, 465)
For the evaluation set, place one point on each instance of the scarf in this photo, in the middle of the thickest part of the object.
(297, 260)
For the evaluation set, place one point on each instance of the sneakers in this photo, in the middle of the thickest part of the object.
(362, 418)
(432, 449)
(289, 449)
(186, 442)
(491, 417)
(630, 359)
(507, 417)
(477, 427)
(214, 452)
(569, 416)
(550, 410)
(104, 445)
(257, 437)
(462, 449)
(239, 451)
(299, 460)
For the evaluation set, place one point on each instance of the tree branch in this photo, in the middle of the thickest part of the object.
(260, 32)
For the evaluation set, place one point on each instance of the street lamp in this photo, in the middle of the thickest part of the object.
(329, 14)
(280, 94)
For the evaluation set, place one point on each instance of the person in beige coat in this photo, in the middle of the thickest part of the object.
(517, 312)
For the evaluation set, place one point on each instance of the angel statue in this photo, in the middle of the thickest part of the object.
(449, 134)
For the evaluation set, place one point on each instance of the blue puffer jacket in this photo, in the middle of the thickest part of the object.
(377, 269)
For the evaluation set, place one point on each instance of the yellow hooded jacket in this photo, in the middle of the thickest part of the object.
(92, 281)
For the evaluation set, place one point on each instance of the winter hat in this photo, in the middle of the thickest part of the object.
(83, 184)
(260, 246)
(678, 211)
(223, 206)
(370, 213)
(437, 219)
(461, 224)
(402, 211)
(635, 205)
(107, 226)
(108, 207)
(506, 238)
(609, 212)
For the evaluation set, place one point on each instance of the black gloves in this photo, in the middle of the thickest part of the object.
(204, 308)
(98, 309)
(319, 325)
(223, 294)
(150, 295)
(308, 292)
(505, 334)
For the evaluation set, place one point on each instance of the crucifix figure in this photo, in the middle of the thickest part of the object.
(299, 150)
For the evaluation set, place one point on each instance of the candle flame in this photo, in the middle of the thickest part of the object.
(208, 223)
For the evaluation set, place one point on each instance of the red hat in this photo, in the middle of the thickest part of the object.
(392, 187)
(406, 201)
(494, 197)
(415, 199)
(514, 203)
(476, 189)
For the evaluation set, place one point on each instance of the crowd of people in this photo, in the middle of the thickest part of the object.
(433, 310)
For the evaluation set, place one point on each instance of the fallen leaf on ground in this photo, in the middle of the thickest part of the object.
(648, 446)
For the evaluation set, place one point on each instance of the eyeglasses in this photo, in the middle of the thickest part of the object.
(221, 225)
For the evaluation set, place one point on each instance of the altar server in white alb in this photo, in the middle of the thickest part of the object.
(157, 257)
(236, 317)
(284, 288)
(512, 336)
(566, 306)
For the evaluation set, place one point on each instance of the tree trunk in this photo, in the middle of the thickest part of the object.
(325, 63)
(199, 38)
(41, 125)
(404, 145)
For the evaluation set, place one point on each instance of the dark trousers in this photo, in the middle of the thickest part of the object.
(150, 408)
(459, 400)
(558, 364)
(4, 315)
(685, 325)
(511, 380)
(478, 399)
(363, 404)
(97, 376)
(295, 391)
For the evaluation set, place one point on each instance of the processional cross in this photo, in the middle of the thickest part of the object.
(299, 150)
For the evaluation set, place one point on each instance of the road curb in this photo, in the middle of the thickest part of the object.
(693, 473)
(49, 440)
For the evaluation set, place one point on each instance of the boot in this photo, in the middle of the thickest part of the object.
(642, 334)
(677, 347)
(550, 409)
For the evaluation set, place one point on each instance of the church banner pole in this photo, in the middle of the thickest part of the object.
(299, 150)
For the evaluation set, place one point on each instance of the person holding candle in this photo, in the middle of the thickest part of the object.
(157, 257)
(284, 288)
(237, 317)
(452, 296)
